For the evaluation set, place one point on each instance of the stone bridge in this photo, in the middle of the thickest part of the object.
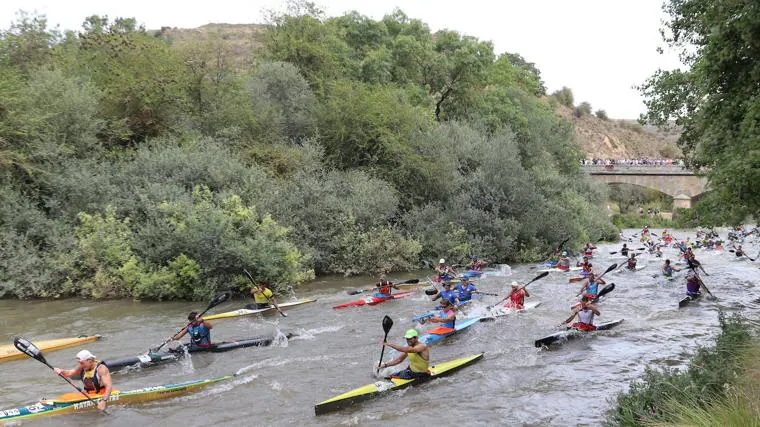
(675, 181)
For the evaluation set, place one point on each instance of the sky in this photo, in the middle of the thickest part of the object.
(598, 48)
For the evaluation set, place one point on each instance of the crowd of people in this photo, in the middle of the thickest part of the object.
(632, 162)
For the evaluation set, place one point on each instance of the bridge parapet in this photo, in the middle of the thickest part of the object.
(636, 170)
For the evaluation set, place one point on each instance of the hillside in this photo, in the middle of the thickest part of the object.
(621, 139)
(605, 139)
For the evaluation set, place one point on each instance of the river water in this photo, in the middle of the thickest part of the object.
(335, 351)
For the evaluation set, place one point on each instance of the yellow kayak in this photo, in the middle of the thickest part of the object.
(378, 388)
(247, 312)
(9, 352)
(76, 402)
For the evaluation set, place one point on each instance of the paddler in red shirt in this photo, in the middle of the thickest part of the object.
(385, 287)
(517, 297)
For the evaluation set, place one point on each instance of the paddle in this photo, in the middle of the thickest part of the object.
(25, 346)
(264, 293)
(387, 325)
(751, 259)
(610, 268)
(701, 283)
(540, 276)
(605, 290)
(360, 291)
(214, 302)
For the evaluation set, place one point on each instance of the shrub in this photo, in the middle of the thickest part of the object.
(602, 114)
(564, 96)
(583, 109)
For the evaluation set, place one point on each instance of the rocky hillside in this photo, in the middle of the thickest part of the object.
(621, 139)
(605, 139)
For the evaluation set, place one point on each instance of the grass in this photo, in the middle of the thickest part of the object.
(720, 388)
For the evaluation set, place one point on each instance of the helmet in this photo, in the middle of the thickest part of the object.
(85, 355)
(441, 261)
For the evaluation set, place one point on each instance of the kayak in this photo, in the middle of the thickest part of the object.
(638, 268)
(572, 333)
(76, 402)
(373, 300)
(157, 358)
(432, 313)
(387, 385)
(9, 352)
(689, 298)
(247, 312)
(547, 264)
(560, 270)
(438, 334)
(504, 310)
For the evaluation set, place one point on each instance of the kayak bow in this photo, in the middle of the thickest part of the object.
(9, 352)
(246, 312)
(372, 300)
(572, 333)
(387, 385)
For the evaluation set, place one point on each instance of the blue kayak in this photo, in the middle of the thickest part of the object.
(458, 327)
(435, 311)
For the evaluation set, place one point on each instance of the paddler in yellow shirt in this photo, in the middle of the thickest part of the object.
(417, 353)
(95, 376)
(263, 297)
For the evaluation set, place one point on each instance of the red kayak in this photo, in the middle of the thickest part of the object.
(373, 300)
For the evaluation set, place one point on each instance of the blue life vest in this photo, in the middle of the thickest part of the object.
(465, 292)
(592, 288)
(449, 295)
(200, 335)
(443, 314)
(667, 271)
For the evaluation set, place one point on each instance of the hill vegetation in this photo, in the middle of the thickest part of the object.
(152, 164)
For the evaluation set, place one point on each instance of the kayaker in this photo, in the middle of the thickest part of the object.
(384, 287)
(667, 269)
(447, 294)
(477, 264)
(199, 330)
(693, 285)
(517, 297)
(444, 271)
(624, 250)
(590, 286)
(263, 297)
(464, 289)
(564, 262)
(585, 312)
(588, 250)
(739, 252)
(94, 374)
(445, 316)
(631, 263)
(418, 354)
(587, 269)
(582, 262)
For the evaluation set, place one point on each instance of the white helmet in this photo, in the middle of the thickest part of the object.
(441, 261)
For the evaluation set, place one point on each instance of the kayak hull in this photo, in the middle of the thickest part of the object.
(373, 300)
(431, 338)
(9, 352)
(388, 385)
(75, 402)
(571, 333)
(158, 358)
(559, 270)
(687, 300)
(269, 310)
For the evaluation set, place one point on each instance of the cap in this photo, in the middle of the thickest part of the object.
(564, 252)
(515, 283)
(441, 261)
(85, 355)
(411, 333)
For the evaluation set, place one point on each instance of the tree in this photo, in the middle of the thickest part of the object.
(717, 100)
(583, 109)
(602, 114)
(564, 96)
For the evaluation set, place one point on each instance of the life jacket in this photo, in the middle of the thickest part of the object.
(517, 299)
(443, 271)
(592, 288)
(667, 271)
(91, 379)
(692, 285)
(384, 287)
(449, 295)
(465, 292)
(624, 252)
(200, 335)
(444, 314)
(632, 263)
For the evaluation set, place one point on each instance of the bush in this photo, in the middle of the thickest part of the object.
(583, 109)
(601, 114)
(564, 96)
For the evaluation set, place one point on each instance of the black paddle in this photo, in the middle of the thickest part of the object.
(214, 302)
(25, 346)
(360, 291)
(387, 325)
(751, 259)
(702, 283)
(540, 276)
(264, 293)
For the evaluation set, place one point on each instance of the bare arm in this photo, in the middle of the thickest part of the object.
(105, 380)
(436, 319)
(181, 334)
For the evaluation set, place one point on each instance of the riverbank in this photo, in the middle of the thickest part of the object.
(720, 387)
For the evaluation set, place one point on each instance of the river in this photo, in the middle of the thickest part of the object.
(335, 350)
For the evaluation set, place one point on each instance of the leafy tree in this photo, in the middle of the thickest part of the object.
(717, 101)
(28, 43)
(601, 114)
(583, 109)
(564, 96)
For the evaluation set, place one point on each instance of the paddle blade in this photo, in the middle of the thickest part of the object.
(411, 281)
(610, 268)
(25, 346)
(387, 324)
(540, 276)
(431, 292)
(249, 275)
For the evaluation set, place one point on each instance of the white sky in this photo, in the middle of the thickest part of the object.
(598, 48)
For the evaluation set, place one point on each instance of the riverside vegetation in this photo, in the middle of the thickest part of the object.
(131, 166)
